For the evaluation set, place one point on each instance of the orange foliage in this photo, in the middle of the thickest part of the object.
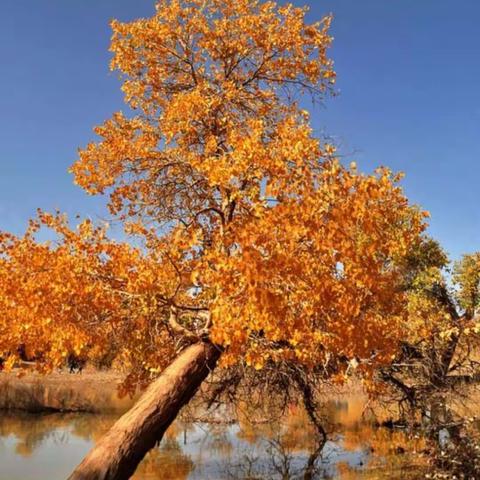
(254, 234)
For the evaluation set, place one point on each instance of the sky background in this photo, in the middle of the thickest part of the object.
(409, 98)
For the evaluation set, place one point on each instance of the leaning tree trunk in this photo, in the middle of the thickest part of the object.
(118, 453)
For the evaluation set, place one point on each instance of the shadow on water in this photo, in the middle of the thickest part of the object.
(52, 444)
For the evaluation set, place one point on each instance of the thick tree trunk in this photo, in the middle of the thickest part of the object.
(118, 453)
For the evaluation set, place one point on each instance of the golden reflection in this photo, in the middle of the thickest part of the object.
(32, 430)
(258, 446)
(165, 463)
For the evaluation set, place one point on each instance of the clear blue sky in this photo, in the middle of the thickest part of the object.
(408, 75)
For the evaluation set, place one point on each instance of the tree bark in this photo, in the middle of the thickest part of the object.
(118, 453)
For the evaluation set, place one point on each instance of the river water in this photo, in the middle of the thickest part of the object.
(48, 446)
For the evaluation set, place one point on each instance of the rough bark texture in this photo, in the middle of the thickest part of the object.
(117, 454)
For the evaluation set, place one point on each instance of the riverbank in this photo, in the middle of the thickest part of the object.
(94, 391)
(89, 392)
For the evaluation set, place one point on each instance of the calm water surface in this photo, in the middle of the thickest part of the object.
(47, 447)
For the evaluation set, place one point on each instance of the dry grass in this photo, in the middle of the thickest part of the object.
(90, 391)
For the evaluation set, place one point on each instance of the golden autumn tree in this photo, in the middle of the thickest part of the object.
(438, 353)
(257, 245)
(433, 379)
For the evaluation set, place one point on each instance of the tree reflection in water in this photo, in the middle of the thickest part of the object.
(283, 449)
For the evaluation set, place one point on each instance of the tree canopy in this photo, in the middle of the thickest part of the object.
(254, 235)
